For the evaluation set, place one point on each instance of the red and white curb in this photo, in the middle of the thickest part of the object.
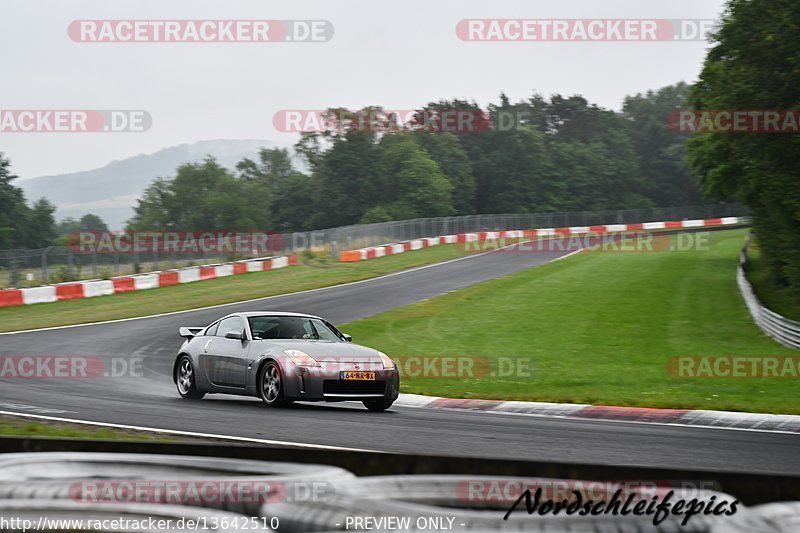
(138, 282)
(681, 417)
(397, 248)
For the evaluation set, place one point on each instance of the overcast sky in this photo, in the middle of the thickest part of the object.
(399, 54)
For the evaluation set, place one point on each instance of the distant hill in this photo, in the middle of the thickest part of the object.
(111, 191)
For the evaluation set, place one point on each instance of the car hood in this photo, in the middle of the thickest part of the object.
(326, 351)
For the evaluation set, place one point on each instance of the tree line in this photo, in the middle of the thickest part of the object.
(34, 226)
(561, 154)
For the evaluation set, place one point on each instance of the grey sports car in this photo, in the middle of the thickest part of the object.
(281, 358)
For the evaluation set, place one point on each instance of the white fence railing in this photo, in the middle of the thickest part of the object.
(780, 328)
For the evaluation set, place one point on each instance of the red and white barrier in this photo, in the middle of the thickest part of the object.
(38, 295)
(138, 282)
(416, 244)
(102, 287)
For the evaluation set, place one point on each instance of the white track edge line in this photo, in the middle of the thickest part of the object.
(185, 433)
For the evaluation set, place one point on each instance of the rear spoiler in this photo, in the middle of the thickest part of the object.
(189, 333)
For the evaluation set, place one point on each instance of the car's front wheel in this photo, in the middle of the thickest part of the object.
(270, 385)
(186, 380)
(378, 405)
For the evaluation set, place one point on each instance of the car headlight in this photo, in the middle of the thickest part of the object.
(388, 364)
(301, 358)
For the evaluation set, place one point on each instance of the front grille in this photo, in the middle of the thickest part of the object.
(335, 386)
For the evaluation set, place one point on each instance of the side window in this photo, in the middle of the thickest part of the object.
(232, 323)
(212, 329)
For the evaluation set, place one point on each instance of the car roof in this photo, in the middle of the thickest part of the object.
(272, 313)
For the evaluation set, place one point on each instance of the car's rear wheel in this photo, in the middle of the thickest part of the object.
(378, 405)
(186, 380)
(270, 385)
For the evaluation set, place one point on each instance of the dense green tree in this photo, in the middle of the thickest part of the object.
(91, 222)
(13, 210)
(67, 226)
(449, 155)
(754, 64)
(22, 226)
(310, 149)
(662, 151)
(514, 173)
(415, 186)
(203, 197)
(350, 179)
(293, 202)
(376, 214)
(41, 224)
(274, 165)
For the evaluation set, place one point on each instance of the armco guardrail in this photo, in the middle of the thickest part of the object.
(780, 328)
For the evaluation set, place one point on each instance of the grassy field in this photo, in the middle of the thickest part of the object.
(310, 275)
(595, 328)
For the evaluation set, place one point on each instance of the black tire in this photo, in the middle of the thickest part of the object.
(381, 404)
(270, 385)
(185, 379)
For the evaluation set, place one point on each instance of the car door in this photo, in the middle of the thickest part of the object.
(226, 359)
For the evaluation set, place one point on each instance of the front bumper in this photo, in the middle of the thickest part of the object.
(323, 384)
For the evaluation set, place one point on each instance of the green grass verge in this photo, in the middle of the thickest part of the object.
(24, 427)
(772, 295)
(598, 328)
(314, 274)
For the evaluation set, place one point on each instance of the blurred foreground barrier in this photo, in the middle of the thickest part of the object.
(751, 488)
(293, 497)
(768, 518)
(780, 328)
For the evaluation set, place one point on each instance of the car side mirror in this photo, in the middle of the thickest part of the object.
(347, 338)
(234, 335)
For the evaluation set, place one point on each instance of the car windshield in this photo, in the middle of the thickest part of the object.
(290, 327)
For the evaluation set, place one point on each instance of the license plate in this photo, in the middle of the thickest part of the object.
(356, 376)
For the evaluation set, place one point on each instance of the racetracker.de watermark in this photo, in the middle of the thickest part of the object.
(69, 367)
(74, 121)
(105, 242)
(734, 366)
(449, 120)
(200, 31)
(734, 120)
(199, 492)
(463, 366)
(486, 490)
(583, 30)
(604, 243)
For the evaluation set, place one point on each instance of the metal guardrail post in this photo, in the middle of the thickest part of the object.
(44, 265)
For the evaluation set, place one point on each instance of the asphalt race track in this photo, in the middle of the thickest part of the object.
(152, 401)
